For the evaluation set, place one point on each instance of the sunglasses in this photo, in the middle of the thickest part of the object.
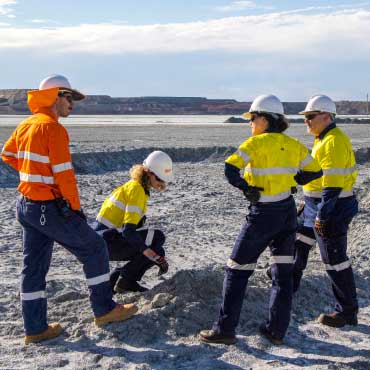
(156, 177)
(254, 117)
(311, 116)
(67, 97)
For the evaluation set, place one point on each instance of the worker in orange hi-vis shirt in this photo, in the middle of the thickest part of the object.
(49, 210)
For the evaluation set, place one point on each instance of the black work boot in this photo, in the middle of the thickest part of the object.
(336, 320)
(211, 336)
(269, 336)
(124, 285)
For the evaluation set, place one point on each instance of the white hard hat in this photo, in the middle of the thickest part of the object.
(320, 103)
(265, 104)
(160, 164)
(63, 84)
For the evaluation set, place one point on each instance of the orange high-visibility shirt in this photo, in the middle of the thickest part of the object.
(39, 150)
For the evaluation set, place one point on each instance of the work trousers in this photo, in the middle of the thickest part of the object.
(120, 250)
(268, 224)
(43, 224)
(333, 250)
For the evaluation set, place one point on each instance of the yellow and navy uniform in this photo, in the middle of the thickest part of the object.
(271, 161)
(333, 151)
(127, 204)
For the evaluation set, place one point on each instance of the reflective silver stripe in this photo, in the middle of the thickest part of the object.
(281, 259)
(107, 223)
(149, 237)
(312, 194)
(134, 209)
(244, 155)
(32, 296)
(98, 279)
(318, 194)
(272, 170)
(62, 167)
(26, 177)
(275, 198)
(118, 203)
(9, 154)
(305, 161)
(33, 157)
(339, 267)
(339, 171)
(235, 266)
(305, 239)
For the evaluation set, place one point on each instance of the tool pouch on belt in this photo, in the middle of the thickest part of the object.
(63, 207)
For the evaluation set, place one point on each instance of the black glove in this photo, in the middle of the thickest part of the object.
(252, 193)
(81, 214)
(162, 264)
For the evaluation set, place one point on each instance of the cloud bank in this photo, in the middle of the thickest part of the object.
(336, 32)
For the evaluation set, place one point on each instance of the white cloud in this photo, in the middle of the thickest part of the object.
(336, 34)
(6, 7)
(236, 6)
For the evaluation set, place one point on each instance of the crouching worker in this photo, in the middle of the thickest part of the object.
(121, 223)
(49, 210)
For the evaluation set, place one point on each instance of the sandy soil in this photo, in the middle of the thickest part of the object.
(201, 215)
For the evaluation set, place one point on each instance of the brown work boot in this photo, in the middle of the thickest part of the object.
(269, 336)
(336, 320)
(121, 312)
(211, 336)
(54, 329)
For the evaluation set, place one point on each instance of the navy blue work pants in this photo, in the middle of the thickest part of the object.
(268, 224)
(43, 224)
(120, 250)
(333, 250)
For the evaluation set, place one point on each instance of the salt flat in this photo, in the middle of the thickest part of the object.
(201, 215)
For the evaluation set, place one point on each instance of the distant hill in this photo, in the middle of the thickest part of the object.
(14, 101)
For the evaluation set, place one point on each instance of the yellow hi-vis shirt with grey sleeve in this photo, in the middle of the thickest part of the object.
(337, 160)
(271, 161)
(126, 205)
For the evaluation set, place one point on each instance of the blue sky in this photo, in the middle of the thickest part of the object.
(215, 49)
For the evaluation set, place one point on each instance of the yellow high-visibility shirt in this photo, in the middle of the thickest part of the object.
(271, 161)
(337, 160)
(126, 204)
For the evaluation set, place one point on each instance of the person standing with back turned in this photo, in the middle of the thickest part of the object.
(271, 160)
(49, 210)
(330, 205)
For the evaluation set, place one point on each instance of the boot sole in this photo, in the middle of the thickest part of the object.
(128, 315)
(218, 341)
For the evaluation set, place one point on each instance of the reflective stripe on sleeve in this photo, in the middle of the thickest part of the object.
(305, 239)
(98, 279)
(339, 171)
(306, 161)
(62, 167)
(33, 157)
(281, 259)
(107, 223)
(32, 296)
(235, 266)
(272, 170)
(244, 155)
(149, 237)
(9, 154)
(339, 267)
(118, 203)
(134, 209)
(275, 198)
(26, 177)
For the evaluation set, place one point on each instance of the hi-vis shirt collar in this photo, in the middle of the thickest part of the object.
(326, 130)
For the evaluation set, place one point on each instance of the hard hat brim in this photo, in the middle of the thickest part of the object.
(247, 115)
(76, 95)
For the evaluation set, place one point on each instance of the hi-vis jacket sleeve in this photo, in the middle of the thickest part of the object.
(9, 153)
(61, 164)
(135, 205)
(309, 168)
